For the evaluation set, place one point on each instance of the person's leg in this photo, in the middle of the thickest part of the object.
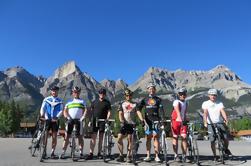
(156, 144)
(148, 145)
(120, 144)
(54, 128)
(93, 142)
(100, 141)
(175, 146)
(129, 138)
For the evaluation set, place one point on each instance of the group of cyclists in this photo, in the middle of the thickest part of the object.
(129, 111)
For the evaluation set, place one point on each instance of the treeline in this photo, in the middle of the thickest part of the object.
(10, 118)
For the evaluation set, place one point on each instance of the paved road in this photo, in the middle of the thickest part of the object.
(14, 152)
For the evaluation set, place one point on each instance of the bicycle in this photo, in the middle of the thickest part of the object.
(135, 143)
(36, 138)
(107, 140)
(192, 143)
(73, 142)
(43, 142)
(162, 139)
(220, 140)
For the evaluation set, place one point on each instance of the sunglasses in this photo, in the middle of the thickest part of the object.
(182, 94)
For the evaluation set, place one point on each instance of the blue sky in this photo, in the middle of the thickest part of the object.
(123, 38)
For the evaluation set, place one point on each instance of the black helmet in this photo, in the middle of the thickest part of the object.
(76, 89)
(128, 92)
(102, 91)
(54, 88)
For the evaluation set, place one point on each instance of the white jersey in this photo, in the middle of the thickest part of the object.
(76, 108)
(213, 109)
(183, 108)
(129, 110)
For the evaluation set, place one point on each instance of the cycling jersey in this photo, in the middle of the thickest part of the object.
(100, 109)
(152, 106)
(51, 108)
(182, 108)
(76, 108)
(129, 110)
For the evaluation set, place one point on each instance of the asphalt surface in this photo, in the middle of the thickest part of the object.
(14, 152)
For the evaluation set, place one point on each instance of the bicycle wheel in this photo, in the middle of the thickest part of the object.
(73, 148)
(105, 146)
(42, 146)
(134, 148)
(110, 144)
(164, 148)
(34, 144)
(195, 152)
(221, 150)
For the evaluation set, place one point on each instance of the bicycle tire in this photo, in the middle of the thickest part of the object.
(105, 146)
(196, 152)
(73, 148)
(163, 147)
(221, 150)
(109, 144)
(34, 143)
(42, 147)
(134, 153)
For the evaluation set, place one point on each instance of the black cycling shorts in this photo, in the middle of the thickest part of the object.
(70, 124)
(100, 126)
(52, 126)
(126, 129)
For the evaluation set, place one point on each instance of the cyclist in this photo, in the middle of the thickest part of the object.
(153, 112)
(75, 112)
(127, 116)
(51, 110)
(100, 109)
(178, 126)
(214, 113)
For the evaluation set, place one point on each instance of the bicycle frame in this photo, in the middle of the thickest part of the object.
(220, 142)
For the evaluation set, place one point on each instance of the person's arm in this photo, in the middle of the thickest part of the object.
(139, 114)
(177, 109)
(121, 115)
(66, 114)
(42, 109)
(109, 111)
(61, 111)
(224, 115)
(205, 117)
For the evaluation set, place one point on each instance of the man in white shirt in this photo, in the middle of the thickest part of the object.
(75, 112)
(214, 113)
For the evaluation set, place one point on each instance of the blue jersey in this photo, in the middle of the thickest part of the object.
(51, 108)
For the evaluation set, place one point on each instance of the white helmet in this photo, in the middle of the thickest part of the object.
(182, 90)
(212, 92)
(151, 85)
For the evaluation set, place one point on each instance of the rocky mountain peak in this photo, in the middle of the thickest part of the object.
(67, 69)
(14, 71)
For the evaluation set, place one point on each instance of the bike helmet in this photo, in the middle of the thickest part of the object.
(54, 88)
(212, 92)
(76, 89)
(182, 90)
(128, 92)
(102, 91)
(151, 84)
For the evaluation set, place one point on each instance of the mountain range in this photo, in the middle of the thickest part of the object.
(19, 85)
